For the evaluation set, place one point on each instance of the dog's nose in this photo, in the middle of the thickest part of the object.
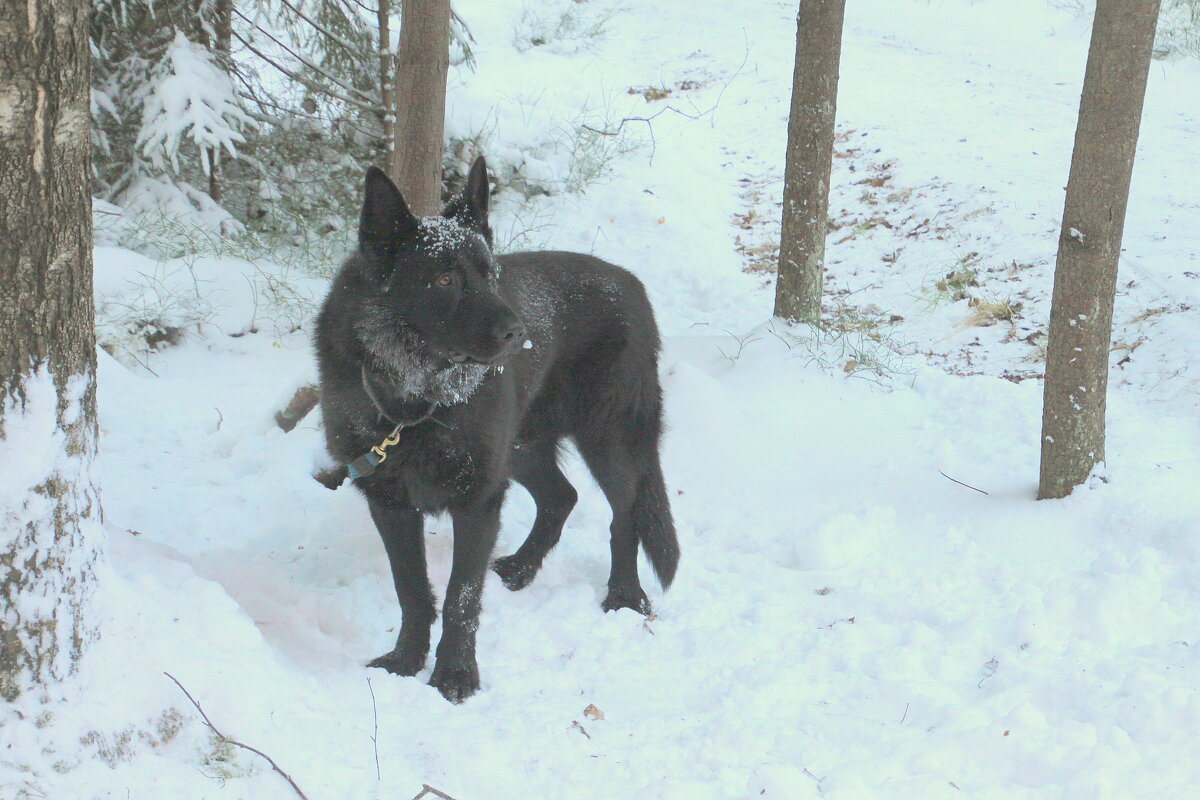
(509, 331)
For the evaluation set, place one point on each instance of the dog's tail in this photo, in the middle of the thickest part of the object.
(652, 520)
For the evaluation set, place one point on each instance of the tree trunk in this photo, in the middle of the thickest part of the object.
(386, 67)
(1089, 243)
(223, 26)
(50, 531)
(223, 30)
(421, 68)
(809, 160)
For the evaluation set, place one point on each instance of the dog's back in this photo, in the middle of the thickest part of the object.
(597, 381)
(598, 343)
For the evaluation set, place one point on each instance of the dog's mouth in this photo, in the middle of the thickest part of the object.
(463, 357)
(457, 357)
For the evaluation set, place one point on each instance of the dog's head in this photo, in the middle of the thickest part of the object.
(436, 277)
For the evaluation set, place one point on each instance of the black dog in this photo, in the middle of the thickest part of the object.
(447, 371)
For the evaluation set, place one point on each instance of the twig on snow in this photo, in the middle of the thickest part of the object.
(374, 736)
(712, 119)
(649, 121)
(960, 483)
(427, 789)
(235, 742)
(709, 112)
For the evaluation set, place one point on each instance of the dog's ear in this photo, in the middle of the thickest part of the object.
(471, 207)
(385, 218)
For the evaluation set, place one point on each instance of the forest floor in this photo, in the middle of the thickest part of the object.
(849, 621)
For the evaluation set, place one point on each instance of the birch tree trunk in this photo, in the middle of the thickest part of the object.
(50, 531)
(809, 160)
(421, 69)
(1089, 243)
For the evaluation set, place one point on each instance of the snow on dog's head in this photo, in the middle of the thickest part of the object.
(428, 289)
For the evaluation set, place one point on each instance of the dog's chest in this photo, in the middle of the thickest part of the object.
(430, 469)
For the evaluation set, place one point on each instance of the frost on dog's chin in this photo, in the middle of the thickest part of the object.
(455, 384)
(400, 353)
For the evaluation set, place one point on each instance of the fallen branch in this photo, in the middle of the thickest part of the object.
(332, 478)
(303, 401)
(236, 743)
(427, 789)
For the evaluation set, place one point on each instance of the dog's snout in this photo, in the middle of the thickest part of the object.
(509, 331)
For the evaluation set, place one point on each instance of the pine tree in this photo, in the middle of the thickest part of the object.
(164, 101)
(219, 113)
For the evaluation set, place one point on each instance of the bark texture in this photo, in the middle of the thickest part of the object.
(809, 159)
(49, 510)
(421, 69)
(386, 85)
(223, 47)
(1089, 243)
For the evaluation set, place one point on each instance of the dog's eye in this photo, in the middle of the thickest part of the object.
(445, 280)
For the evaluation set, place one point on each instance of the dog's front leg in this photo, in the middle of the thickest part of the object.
(456, 675)
(402, 530)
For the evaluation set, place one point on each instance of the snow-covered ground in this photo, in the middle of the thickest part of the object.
(848, 622)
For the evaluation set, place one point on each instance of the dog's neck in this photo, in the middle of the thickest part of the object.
(393, 407)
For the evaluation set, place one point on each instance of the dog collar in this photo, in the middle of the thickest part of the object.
(366, 464)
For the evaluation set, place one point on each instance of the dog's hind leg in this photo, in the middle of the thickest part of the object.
(456, 674)
(402, 530)
(616, 470)
(536, 468)
(622, 453)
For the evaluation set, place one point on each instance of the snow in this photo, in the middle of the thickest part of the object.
(190, 96)
(44, 570)
(141, 300)
(31, 440)
(848, 620)
(179, 203)
(440, 234)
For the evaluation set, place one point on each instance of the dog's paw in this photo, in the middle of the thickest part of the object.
(633, 598)
(405, 661)
(516, 573)
(456, 683)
